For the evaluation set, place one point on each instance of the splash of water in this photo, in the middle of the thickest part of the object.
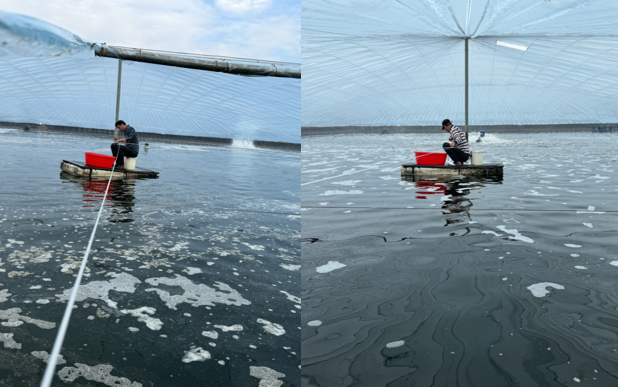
(489, 138)
(248, 144)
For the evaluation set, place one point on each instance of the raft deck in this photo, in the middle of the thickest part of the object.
(466, 170)
(82, 169)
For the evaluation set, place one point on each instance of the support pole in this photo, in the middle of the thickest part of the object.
(467, 88)
(118, 98)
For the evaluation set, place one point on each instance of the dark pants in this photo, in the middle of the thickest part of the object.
(455, 154)
(120, 152)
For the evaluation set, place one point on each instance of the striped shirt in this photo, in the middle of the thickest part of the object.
(459, 137)
(132, 141)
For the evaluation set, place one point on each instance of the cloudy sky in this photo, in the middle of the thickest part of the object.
(259, 29)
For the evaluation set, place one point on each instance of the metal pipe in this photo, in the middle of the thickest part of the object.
(199, 63)
(118, 99)
(467, 88)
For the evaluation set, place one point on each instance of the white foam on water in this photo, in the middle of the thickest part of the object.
(540, 290)
(490, 232)
(323, 203)
(254, 247)
(330, 266)
(536, 193)
(14, 319)
(389, 177)
(4, 295)
(339, 192)
(590, 208)
(571, 191)
(193, 270)
(43, 355)
(574, 255)
(99, 373)
(9, 342)
(268, 377)
(211, 334)
(573, 246)
(196, 294)
(272, 328)
(516, 234)
(291, 297)
(581, 267)
(196, 354)
(317, 323)
(122, 282)
(143, 315)
(231, 328)
(589, 225)
(395, 344)
(290, 267)
(347, 182)
(614, 263)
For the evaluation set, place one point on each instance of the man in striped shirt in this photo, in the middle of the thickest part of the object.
(458, 148)
(131, 149)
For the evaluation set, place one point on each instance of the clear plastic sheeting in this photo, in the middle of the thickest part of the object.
(25, 35)
(370, 63)
(42, 82)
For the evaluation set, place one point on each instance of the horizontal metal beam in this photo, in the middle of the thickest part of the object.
(199, 63)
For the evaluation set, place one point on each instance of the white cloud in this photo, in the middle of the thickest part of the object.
(194, 26)
(242, 6)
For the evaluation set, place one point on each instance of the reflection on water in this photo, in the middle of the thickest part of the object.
(455, 191)
(120, 195)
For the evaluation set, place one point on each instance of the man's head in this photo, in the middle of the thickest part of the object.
(121, 125)
(446, 125)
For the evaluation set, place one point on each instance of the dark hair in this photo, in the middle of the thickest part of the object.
(444, 123)
(120, 122)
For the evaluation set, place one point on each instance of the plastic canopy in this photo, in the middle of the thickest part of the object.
(49, 75)
(402, 62)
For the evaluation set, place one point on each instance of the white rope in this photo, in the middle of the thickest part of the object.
(53, 358)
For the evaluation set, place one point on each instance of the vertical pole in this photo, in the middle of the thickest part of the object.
(118, 98)
(467, 88)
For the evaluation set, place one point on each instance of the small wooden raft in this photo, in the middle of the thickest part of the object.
(83, 169)
(466, 170)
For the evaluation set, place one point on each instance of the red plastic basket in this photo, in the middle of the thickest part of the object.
(430, 158)
(98, 160)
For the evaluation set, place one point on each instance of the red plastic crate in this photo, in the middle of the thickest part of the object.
(430, 158)
(98, 160)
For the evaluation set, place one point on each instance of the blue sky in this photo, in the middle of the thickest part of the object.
(259, 29)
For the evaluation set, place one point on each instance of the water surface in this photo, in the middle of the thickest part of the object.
(460, 281)
(193, 278)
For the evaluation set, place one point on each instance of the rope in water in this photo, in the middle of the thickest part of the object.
(53, 357)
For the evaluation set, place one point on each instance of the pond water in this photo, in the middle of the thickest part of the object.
(460, 281)
(193, 278)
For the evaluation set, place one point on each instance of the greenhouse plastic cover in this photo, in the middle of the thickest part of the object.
(402, 62)
(49, 75)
